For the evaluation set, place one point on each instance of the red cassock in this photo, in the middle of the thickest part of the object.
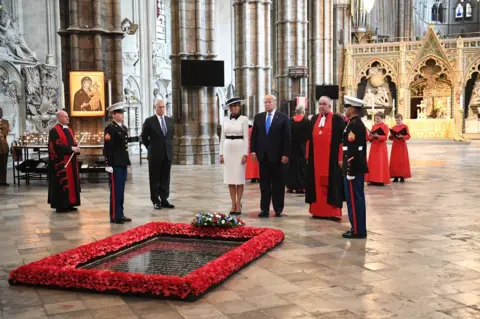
(378, 157)
(399, 161)
(321, 149)
(252, 169)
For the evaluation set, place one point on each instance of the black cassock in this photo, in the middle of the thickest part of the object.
(63, 183)
(297, 163)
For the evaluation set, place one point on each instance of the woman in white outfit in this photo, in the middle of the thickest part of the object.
(234, 152)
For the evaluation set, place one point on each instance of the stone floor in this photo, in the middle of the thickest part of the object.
(421, 259)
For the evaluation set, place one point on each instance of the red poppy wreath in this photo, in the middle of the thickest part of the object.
(66, 271)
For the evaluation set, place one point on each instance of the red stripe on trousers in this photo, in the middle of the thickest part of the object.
(354, 213)
(113, 196)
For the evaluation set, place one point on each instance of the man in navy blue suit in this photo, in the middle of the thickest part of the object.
(270, 145)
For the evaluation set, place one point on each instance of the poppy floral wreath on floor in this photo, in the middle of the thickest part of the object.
(64, 270)
(216, 220)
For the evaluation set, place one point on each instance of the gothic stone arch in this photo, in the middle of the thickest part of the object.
(12, 98)
(389, 70)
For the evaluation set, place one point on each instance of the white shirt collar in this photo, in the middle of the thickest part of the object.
(272, 112)
(65, 127)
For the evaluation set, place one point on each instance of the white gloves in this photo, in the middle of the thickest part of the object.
(350, 178)
(109, 169)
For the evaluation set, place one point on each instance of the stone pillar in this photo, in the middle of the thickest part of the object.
(292, 71)
(405, 20)
(196, 140)
(252, 52)
(320, 45)
(91, 40)
(342, 38)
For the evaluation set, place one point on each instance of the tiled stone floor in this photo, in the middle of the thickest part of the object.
(421, 259)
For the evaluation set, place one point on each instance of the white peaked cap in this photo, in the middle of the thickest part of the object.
(353, 101)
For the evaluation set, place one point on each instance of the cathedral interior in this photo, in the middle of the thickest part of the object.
(417, 58)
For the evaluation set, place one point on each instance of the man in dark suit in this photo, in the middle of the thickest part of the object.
(157, 136)
(270, 145)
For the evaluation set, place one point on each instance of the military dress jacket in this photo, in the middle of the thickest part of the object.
(355, 148)
(115, 147)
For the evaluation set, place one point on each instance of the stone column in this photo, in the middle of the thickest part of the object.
(320, 45)
(253, 52)
(91, 40)
(196, 141)
(342, 38)
(405, 20)
(292, 71)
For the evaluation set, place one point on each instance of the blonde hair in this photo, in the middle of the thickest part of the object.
(270, 96)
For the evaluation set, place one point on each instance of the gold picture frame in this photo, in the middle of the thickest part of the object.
(87, 93)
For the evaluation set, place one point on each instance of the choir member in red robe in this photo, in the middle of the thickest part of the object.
(296, 166)
(252, 170)
(63, 179)
(324, 181)
(379, 173)
(399, 161)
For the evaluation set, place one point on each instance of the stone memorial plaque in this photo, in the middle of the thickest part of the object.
(165, 256)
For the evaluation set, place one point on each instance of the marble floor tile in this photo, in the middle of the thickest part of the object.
(421, 258)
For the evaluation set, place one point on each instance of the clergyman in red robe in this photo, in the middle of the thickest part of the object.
(379, 173)
(252, 170)
(324, 182)
(63, 179)
(399, 160)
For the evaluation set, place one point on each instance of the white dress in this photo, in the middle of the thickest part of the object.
(233, 150)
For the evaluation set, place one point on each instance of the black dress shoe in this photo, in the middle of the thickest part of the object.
(126, 219)
(402, 180)
(72, 209)
(264, 214)
(354, 236)
(278, 214)
(167, 205)
(157, 206)
(290, 191)
(61, 210)
(253, 180)
(395, 180)
(347, 233)
(117, 221)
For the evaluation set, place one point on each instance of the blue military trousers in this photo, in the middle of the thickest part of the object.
(354, 192)
(117, 182)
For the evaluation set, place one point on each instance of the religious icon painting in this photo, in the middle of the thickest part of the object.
(87, 93)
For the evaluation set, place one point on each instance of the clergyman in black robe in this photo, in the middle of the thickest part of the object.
(297, 164)
(63, 181)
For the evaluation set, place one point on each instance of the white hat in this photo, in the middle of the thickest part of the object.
(116, 107)
(353, 101)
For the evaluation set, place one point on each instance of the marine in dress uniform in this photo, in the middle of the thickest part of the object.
(355, 167)
(117, 161)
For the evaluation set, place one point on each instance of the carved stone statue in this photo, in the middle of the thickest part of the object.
(369, 98)
(475, 99)
(381, 98)
(474, 104)
(12, 40)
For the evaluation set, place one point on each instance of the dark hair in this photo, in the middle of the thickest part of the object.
(85, 79)
(399, 116)
(380, 114)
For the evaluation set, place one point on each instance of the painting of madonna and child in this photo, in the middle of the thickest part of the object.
(87, 93)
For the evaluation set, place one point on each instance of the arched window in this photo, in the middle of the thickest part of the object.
(434, 13)
(161, 22)
(441, 13)
(459, 11)
(468, 11)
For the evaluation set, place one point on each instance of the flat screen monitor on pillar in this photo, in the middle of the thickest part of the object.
(203, 73)
(327, 90)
